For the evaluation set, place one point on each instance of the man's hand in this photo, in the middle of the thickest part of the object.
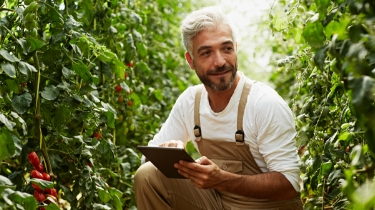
(173, 143)
(204, 174)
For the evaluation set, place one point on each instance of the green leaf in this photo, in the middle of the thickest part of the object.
(110, 119)
(103, 147)
(82, 70)
(9, 124)
(52, 206)
(280, 22)
(43, 184)
(322, 6)
(103, 195)
(98, 206)
(13, 85)
(6, 144)
(115, 192)
(320, 57)
(68, 74)
(9, 69)
(5, 181)
(325, 167)
(23, 199)
(355, 33)
(362, 90)
(118, 203)
(107, 56)
(26, 68)
(119, 68)
(22, 102)
(33, 44)
(158, 94)
(356, 156)
(71, 23)
(141, 49)
(20, 120)
(86, 11)
(50, 92)
(145, 70)
(108, 107)
(7, 56)
(313, 34)
(129, 48)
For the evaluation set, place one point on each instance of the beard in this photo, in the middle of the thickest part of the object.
(222, 85)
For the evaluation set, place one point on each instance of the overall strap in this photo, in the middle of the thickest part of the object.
(240, 134)
(197, 121)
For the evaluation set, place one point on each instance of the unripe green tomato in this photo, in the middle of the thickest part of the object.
(126, 130)
(27, 2)
(29, 25)
(132, 127)
(34, 32)
(29, 17)
(33, 7)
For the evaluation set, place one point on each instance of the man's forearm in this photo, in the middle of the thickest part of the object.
(272, 185)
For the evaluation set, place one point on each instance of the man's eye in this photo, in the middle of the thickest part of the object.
(205, 53)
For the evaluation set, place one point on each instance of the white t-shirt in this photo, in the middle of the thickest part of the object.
(268, 125)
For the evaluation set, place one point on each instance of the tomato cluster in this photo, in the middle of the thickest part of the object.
(41, 195)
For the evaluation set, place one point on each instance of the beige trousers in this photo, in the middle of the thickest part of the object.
(154, 191)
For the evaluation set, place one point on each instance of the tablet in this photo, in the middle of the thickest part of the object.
(164, 158)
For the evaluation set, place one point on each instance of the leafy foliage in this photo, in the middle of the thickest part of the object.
(60, 65)
(328, 75)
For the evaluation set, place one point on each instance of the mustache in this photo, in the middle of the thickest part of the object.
(219, 70)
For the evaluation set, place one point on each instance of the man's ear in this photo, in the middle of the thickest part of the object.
(189, 59)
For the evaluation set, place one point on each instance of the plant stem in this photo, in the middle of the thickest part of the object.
(38, 116)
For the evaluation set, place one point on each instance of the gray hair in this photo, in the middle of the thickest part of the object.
(205, 18)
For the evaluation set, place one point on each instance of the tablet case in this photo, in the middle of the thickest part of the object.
(164, 158)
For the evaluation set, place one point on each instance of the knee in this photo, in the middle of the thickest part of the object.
(144, 172)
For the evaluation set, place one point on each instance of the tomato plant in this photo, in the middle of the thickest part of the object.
(59, 64)
(329, 80)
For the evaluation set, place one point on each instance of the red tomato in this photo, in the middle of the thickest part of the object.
(33, 158)
(97, 135)
(36, 187)
(39, 196)
(130, 103)
(36, 174)
(120, 99)
(118, 88)
(46, 176)
(40, 168)
(130, 64)
(52, 191)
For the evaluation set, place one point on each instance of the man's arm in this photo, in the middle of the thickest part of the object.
(204, 174)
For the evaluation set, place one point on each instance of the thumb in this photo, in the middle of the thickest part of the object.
(204, 160)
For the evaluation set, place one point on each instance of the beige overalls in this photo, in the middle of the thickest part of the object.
(154, 191)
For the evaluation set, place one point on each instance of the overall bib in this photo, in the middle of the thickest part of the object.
(235, 157)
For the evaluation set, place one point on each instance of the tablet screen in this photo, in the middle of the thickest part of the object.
(164, 158)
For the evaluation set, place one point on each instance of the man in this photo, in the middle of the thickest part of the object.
(243, 130)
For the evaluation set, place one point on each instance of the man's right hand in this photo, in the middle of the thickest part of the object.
(173, 143)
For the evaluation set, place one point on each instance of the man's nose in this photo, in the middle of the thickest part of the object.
(219, 59)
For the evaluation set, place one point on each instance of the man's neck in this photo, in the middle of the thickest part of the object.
(219, 99)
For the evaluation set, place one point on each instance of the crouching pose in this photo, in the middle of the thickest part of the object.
(243, 129)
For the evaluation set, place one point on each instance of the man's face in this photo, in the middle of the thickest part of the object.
(214, 58)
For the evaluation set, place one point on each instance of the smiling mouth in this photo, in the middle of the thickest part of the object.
(220, 73)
